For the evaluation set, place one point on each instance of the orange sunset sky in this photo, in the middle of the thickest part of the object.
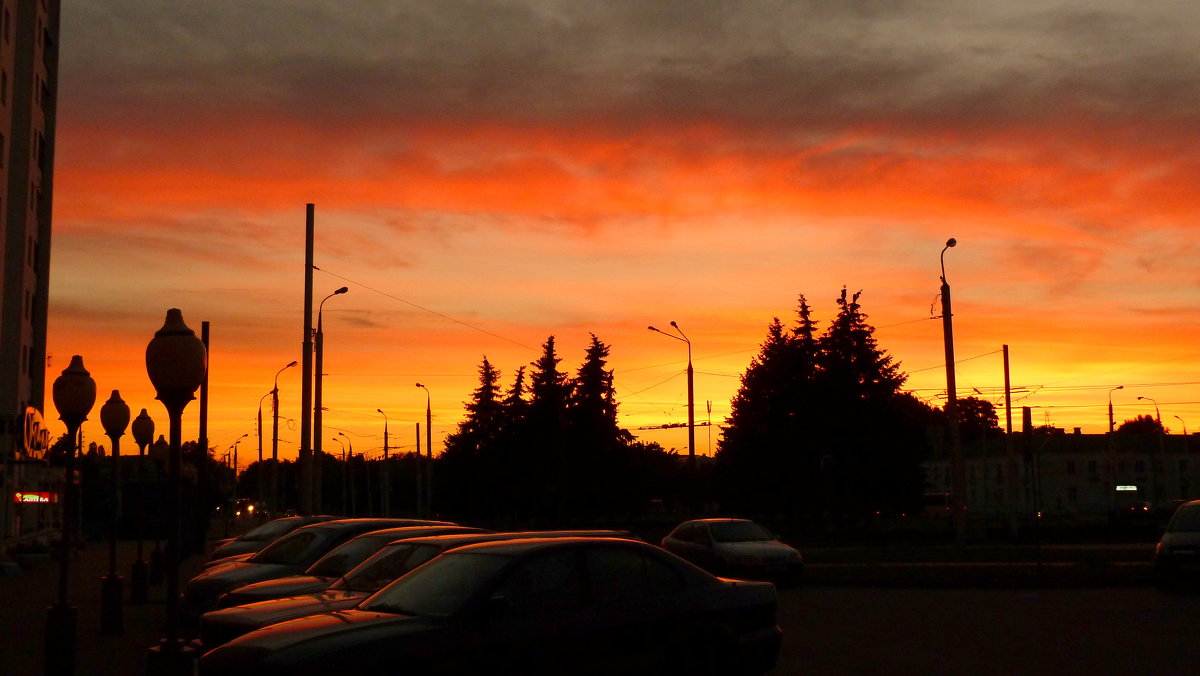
(488, 174)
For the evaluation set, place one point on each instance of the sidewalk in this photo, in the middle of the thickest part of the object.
(25, 597)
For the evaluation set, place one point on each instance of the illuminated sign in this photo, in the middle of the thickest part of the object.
(1127, 488)
(35, 497)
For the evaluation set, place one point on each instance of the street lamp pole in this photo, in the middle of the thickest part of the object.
(427, 509)
(385, 498)
(319, 349)
(143, 434)
(691, 407)
(74, 394)
(275, 439)
(176, 362)
(1185, 434)
(114, 417)
(343, 445)
(1112, 452)
(235, 466)
(1154, 461)
(958, 474)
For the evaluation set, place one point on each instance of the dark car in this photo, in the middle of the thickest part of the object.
(389, 563)
(738, 547)
(530, 606)
(261, 536)
(289, 555)
(333, 565)
(1177, 557)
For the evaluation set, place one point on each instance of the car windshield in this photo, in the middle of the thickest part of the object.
(385, 566)
(440, 587)
(347, 556)
(270, 530)
(298, 548)
(1187, 518)
(738, 531)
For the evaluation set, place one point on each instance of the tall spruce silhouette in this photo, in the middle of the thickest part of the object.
(469, 461)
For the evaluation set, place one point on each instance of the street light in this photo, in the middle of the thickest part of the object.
(691, 406)
(114, 416)
(319, 350)
(275, 439)
(176, 362)
(143, 434)
(958, 476)
(74, 395)
(1157, 415)
(234, 446)
(344, 511)
(1112, 452)
(385, 497)
(427, 508)
(1185, 434)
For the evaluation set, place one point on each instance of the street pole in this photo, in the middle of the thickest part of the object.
(427, 510)
(1112, 454)
(419, 480)
(275, 439)
(114, 417)
(306, 389)
(958, 475)
(318, 406)
(74, 394)
(691, 407)
(1010, 451)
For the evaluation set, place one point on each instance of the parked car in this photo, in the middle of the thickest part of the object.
(389, 563)
(288, 555)
(551, 605)
(261, 536)
(737, 547)
(333, 565)
(1177, 556)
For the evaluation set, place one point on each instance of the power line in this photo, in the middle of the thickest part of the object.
(425, 309)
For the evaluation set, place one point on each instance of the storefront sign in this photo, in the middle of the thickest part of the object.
(1126, 488)
(37, 437)
(35, 497)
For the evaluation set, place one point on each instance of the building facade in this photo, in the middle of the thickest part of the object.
(29, 32)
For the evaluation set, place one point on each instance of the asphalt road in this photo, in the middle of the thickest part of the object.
(857, 630)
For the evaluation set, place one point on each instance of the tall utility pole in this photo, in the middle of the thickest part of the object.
(1010, 451)
(420, 481)
(958, 476)
(691, 407)
(306, 393)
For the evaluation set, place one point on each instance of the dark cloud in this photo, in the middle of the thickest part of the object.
(566, 63)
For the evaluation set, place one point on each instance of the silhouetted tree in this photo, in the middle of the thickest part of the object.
(467, 459)
(594, 460)
(977, 419)
(542, 434)
(1142, 424)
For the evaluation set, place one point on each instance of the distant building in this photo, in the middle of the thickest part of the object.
(1067, 475)
(29, 32)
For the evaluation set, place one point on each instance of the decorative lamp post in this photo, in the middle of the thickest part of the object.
(74, 395)
(691, 406)
(427, 509)
(143, 433)
(385, 498)
(275, 439)
(114, 416)
(318, 366)
(176, 362)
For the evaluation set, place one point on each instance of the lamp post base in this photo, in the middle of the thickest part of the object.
(112, 613)
(62, 620)
(171, 657)
(139, 582)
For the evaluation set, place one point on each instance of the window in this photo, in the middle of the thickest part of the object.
(545, 583)
(1071, 467)
(619, 574)
(1139, 466)
(1092, 467)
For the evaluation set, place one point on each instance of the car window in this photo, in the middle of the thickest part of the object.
(739, 531)
(440, 587)
(621, 574)
(385, 566)
(544, 582)
(1187, 518)
(289, 549)
(270, 530)
(347, 556)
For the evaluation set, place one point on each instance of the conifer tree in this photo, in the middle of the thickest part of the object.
(470, 450)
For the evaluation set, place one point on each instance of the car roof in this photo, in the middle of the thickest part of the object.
(401, 533)
(528, 545)
(722, 519)
(383, 523)
(460, 539)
